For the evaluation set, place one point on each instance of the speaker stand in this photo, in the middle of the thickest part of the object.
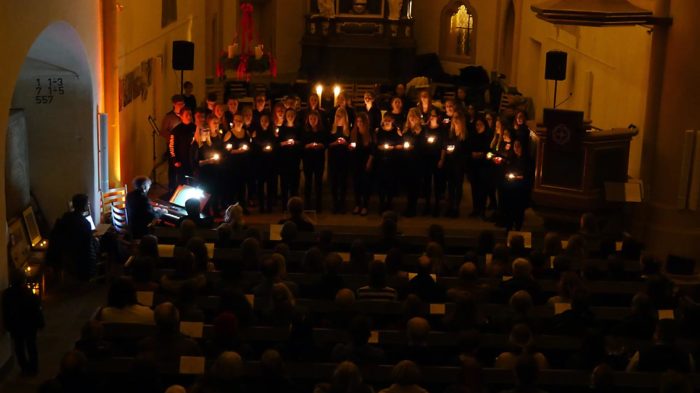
(555, 94)
(182, 81)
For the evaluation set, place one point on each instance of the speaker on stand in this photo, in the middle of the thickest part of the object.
(183, 58)
(555, 69)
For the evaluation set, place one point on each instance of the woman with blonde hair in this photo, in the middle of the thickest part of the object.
(205, 161)
(338, 155)
(362, 150)
(454, 163)
(410, 161)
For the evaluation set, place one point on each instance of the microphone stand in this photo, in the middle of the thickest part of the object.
(154, 132)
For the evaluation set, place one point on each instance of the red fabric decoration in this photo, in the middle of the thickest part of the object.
(273, 65)
(243, 67)
(246, 26)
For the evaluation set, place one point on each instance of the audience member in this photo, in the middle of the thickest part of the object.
(347, 378)
(405, 377)
(522, 343)
(168, 344)
(377, 288)
(358, 350)
(424, 285)
(664, 354)
(295, 207)
(122, 306)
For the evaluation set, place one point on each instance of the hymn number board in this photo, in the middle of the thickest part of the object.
(46, 89)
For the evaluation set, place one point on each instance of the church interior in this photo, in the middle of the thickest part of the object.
(610, 88)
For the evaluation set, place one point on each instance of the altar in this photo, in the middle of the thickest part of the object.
(367, 40)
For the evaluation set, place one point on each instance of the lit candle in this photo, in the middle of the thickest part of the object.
(406, 145)
(290, 141)
(431, 139)
(268, 147)
(353, 144)
(319, 93)
(511, 176)
(244, 147)
(386, 146)
(489, 155)
(336, 93)
(451, 148)
(229, 146)
(216, 157)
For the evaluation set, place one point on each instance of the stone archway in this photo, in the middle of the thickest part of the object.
(53, 115)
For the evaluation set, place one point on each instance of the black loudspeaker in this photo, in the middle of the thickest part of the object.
(183, 55)
(556, 66)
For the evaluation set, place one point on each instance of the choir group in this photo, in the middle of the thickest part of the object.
(255, 156)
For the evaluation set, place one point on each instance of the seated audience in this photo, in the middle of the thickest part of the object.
(522, 280)
(664, 354)
(122, 306)
(168, 344)
(569, 282)
(92, 343)
(188, 230)
(139, 212)
(424, 285)
(274, 376)
(470, 378)
(193, 208)
(377, 288)
(526, 372)
(358, 350)
(405, 377)
(522, 343)
(184, 274)
(346, 378)
(465, 314)
(330, 281)
(225, 375)
(641, 323)
(295, 207)
(72, 376)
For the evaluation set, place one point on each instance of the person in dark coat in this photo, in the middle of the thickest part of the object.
(22, 318)
(71, 244)
(139, 211)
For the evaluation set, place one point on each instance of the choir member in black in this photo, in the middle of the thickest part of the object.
(343, 102)
(385, 162)
(397, 111)
(265, 146)
(210, 103)
(521, 132)
(479, 166)
(491, 185)
(237, 163)
(471, 119)
(338, 158)
(251, 128)
(455, 147)
(289, 155)
(179, 146)
(433, 159)
(190, 99)
(410, 154)
(450, 110)
(516, 187)
(205, 161)
(372, 109)
(425, 105)
(232, 107)
(461, 97)
(362, 151)
(218, 187)
(314, 139)
(170, 121)
(500, 147)
(278, 118)
(313, 105)
(260, 103)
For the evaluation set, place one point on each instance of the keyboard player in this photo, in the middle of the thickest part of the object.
(140, 213)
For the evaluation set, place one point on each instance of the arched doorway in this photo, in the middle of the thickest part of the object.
(51, 148)
(506, 55)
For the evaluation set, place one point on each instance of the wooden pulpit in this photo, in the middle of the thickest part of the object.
(574, 161)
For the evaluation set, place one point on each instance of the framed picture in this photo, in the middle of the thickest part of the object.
(32, 228)
(19, 244)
